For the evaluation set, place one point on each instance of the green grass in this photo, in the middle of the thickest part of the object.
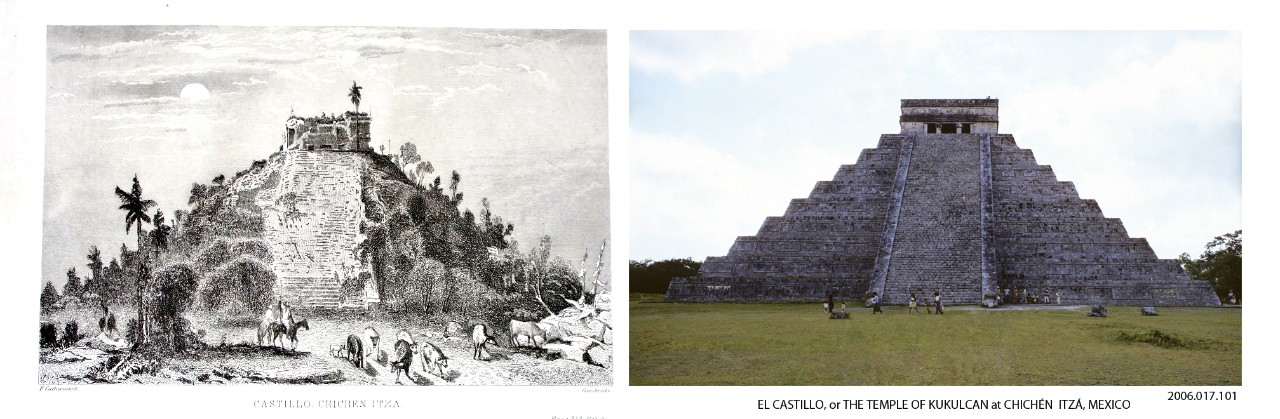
(795, 344)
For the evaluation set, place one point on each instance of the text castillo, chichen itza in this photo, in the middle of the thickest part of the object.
(948, 205)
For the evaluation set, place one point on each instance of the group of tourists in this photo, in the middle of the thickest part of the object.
(914, 306)
(1028, 296)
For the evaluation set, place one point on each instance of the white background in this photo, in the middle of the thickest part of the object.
(22, 29)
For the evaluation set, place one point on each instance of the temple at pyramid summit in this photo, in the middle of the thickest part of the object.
(948, 205)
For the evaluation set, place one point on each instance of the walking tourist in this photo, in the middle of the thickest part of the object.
(937, 300)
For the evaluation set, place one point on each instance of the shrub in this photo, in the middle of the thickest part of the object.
(246, 281)
(1156, 337)
(48, 335)
(71, 334)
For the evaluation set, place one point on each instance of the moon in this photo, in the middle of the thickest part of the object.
(194, 92)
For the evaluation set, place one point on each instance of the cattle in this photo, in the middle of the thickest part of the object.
(430, 355)
(404, 357)
(405, 336)
(453, 329)
(480, 336)
(355, 351)
(371, 339)
(527, 329)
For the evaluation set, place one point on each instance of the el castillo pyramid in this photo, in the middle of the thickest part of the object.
(948, 205)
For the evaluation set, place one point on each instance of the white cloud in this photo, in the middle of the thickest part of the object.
(689, 56)
(695, 199)
(443, 94)
(477, 69)
(132, 102)
(252, 81)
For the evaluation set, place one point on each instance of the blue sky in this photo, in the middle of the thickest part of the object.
(728, 127)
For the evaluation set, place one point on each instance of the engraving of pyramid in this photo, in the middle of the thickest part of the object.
(948, 205)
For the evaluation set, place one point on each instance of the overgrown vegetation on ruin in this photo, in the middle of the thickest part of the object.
(429, 255)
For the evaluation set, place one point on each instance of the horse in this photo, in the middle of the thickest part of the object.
(266, 328)
(292, 331)
(278, 332)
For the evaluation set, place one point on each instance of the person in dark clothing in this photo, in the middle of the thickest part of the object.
(875, 303)
(831, 303)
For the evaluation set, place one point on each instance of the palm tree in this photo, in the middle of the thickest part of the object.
(354, 94)
(135, 212)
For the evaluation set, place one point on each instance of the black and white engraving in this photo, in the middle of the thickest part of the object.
(326, 205)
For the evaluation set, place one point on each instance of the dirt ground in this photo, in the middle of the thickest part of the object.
(232, 348)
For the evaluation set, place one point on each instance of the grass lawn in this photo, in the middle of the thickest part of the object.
(796, 344)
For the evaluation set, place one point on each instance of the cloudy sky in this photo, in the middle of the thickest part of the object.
(521, 115)
(728, 127)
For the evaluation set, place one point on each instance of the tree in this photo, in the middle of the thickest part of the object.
(100, 284)
(48, 296)
(354, 94)
(135, 212)
(1220, 264)
(72, 288)
(160, 234)
(412, 164)
(541, 266)
(176, 286)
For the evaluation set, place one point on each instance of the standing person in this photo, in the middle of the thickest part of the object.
(1058, 294)
(875, 303)
(831, 302)
(912, 306)
(1231, 296)
(1046, 296)
(937, 300)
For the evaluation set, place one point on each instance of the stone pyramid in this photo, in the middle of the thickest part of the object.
(951, 206)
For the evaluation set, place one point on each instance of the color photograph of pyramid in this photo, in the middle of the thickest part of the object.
(948, 205)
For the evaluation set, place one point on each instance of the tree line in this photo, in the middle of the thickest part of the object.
(1220, 264)
(648, 276)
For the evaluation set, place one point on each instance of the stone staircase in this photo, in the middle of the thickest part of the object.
(314, 232)
(937, 244)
